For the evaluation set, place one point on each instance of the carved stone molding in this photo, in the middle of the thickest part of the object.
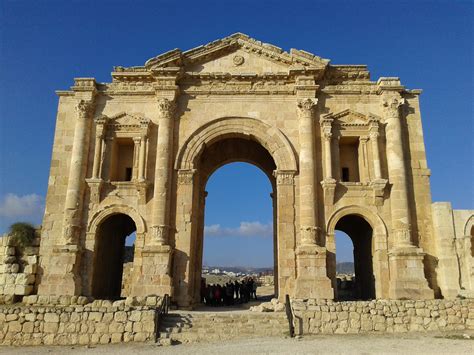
(306, 107)
(378, 188)
(284, 177)
(186, 177)
(95, 186)
(166, 107)
(329, 189)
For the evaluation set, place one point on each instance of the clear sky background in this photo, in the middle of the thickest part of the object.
(45, 44)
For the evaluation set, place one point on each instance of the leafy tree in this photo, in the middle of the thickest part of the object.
(22, 234)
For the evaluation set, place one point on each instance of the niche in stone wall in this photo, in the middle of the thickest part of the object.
(122, 160)
(349, 159)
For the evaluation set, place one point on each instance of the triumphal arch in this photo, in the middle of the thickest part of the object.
(342, 152)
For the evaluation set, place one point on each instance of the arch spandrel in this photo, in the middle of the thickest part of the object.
(108, 211)
(269, 137)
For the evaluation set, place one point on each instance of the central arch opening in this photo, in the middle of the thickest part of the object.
(362, 285)
(237, 235)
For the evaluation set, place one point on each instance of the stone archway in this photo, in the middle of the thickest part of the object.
(379, 245)
(103, 216)
(252, 141)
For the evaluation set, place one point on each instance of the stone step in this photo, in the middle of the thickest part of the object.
(185, 327)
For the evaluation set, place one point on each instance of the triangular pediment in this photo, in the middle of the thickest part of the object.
(123, 120)
(351, 117)
(237, 53)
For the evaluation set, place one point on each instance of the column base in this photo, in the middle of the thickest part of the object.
(152, 276)
(61, 272)
(407, 277)
(312, 280)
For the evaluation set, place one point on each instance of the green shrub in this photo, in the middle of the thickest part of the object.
(22, 234)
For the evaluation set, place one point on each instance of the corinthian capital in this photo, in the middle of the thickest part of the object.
(307, 106)
(84, 108)
(392, 103)
(159, 234)
(309, 235)
(166, 107)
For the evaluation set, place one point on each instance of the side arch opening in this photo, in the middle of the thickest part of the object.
(109, 255)
(362, 286)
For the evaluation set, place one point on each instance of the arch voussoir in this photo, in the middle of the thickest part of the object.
(269, 137)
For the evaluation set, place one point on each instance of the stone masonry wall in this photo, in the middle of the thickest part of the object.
(72, 320)
(17, 272)
(328, 317)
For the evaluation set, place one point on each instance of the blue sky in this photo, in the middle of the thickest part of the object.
(45, 44)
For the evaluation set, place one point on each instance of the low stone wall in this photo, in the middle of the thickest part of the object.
(17, 271)
(73, 321)
(328, 317)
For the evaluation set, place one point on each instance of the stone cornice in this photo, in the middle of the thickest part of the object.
(177, 58)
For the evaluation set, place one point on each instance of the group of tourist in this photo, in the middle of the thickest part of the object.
(228, 294)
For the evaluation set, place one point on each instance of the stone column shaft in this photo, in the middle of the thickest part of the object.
(97, 156)
(162, 171)
(397, 172)
(328, 155)
(363, 171)
(374, 139)
(71, 222)
(141, 159)
(307, 173)
(77, 155)
(136, 158)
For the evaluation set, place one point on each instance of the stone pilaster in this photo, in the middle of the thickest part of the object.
(378, 184)
(284, 220)
(374, 140)
(407, 279)
(329, 183)
(160, 224)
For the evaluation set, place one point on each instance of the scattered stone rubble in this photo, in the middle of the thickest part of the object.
(273, 306)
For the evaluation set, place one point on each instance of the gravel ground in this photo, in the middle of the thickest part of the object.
(439, 343)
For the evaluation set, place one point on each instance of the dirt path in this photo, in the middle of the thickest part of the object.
(416, 344)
